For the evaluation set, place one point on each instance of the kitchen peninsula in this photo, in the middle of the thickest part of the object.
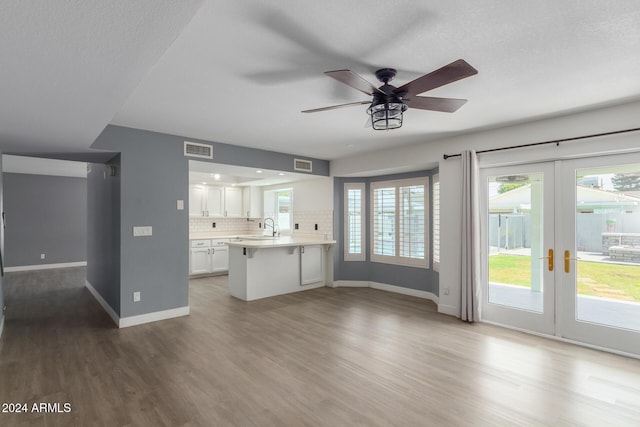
(265, 267)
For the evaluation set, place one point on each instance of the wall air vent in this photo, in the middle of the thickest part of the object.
(194, 149)
(302, 165)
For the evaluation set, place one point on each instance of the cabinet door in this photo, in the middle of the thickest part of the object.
(214, 205)
(311, 265)
(196, 200)
(233, 202)
(219, 259)
(200, 261)
(253, 202)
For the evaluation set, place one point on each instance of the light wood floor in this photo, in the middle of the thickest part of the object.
(325, 357)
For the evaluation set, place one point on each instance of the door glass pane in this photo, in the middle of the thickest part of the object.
(514, 236)
(607, 267)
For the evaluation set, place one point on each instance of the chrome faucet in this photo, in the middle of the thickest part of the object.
(273, 226)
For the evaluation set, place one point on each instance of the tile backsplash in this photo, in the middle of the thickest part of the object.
(232, 225)
(306, 221)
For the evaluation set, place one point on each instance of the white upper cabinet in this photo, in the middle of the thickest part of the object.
(233, 202)
(196, 200)
(205, 201)
(216, 202)
(252, 202)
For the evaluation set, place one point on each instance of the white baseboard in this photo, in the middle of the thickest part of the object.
(1, 324)
(45, 266)
(153, 317)
(102, 302)
(125, 322)
(448, 309)
(389, 288)
(404, 291)
(350, 284)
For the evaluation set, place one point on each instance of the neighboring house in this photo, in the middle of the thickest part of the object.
(589, 200)
(598, 211)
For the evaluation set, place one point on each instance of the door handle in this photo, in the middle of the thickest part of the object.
(567, 261)
(550, 259)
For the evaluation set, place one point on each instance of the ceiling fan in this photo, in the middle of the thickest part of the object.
(389, 102)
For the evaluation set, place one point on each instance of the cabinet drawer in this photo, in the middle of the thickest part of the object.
(200, 243)
(219, 242)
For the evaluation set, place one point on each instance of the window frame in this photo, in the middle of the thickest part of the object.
(363, 220)
(271, 207)
(436, 227)
(397, 259)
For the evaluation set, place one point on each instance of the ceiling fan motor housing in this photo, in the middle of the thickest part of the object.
(385, 75)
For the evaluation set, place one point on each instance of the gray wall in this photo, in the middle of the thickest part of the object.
(45, 215)
(103, 232)
(407, 277)
(1, 249)
(154, 174)
(255, 158)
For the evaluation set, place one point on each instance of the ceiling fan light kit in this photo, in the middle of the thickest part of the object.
(390, 102)
(386, 115)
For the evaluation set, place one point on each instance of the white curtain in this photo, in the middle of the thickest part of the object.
(470, 250)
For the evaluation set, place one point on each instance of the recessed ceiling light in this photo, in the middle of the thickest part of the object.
(204, 183)
(216, 177)
(281, 174)
(258, 171)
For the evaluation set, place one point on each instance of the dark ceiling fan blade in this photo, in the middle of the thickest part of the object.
(312, 53)
(455, 71)
(334, 107)
(355, 81)
(445, 105)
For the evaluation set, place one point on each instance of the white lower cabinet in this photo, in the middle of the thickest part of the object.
(208, 256)
(200, 261)
(311, 265)
(219, 259)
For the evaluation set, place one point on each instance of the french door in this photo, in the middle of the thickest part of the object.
(561, 249)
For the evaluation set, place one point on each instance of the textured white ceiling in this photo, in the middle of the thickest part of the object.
(240, 72)
(68, 66)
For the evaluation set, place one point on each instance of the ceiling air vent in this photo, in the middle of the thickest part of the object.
(194, 149)
(302, 165)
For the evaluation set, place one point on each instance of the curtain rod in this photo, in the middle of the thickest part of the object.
(555, 141)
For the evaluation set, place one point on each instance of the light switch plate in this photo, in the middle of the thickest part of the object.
(180, 205)
(139, 231)
(136, 296)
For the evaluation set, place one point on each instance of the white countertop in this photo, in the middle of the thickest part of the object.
(218, 235)
(282, 241)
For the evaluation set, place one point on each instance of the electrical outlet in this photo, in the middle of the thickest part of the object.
(41, 256)
(446, 291)
(316, 227)
(180, 205)
(136, 297)
(213, 225)
(297, 226)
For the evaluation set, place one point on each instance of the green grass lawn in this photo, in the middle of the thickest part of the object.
(593, 277)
